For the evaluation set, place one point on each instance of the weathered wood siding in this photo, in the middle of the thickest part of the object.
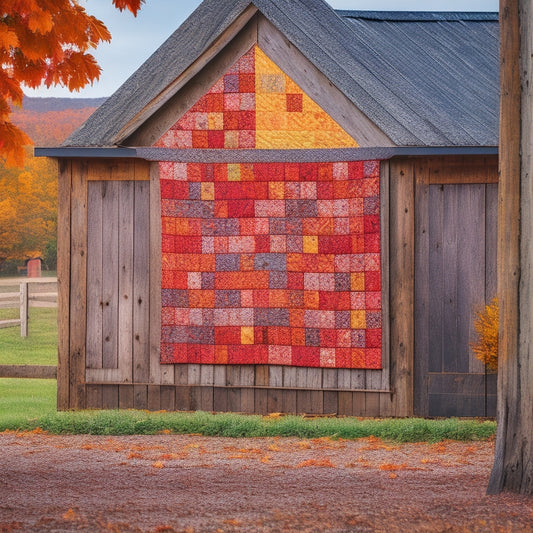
(455, 273)
(111, 296)
(110, 299)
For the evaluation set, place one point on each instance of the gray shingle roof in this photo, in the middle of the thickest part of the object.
(425, 79)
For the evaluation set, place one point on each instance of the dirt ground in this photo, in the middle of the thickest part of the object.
(172, 483)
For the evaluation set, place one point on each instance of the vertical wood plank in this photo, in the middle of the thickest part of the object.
(94, 397)
(94, 275)
(207, 378)
(436, 277)
(248, 399)
(140, 397)
(331, 398)
(168, 397)
(125, 279)
(471, 273)
(193, 381)
(372, 404)
(314, 381)
(449, 341)
(402, 216)
(289, 396)
(78, 283)
(274, 399)
(110, 243)
(125, 396)
(220, 393)
(110, 396)
(303, 397)
(345, 399)
(422, 291)
(154, 397)
(359, 404)
(233, 377)
(181, 376)
(63, 282)
(491, 241)
(384, 174)
(145, 317)
(157, 373)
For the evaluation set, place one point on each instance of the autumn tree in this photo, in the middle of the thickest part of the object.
(513, 461)
(45, 42)
(28, 208)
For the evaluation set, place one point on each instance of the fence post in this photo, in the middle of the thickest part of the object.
(24, 309)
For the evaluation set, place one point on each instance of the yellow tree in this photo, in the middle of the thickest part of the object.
(28, 207)
(45, 42)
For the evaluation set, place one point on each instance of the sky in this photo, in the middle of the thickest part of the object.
(134, 39)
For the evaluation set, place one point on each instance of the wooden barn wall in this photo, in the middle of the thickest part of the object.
(110, 308)
(109, 298)
(455, 275)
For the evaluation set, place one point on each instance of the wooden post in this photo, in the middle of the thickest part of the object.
(24, 309)
(513, 462)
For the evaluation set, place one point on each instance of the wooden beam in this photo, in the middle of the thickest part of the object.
(513, 462)
(28, 371)
(402, 238)
(63, 283)
(78, 284)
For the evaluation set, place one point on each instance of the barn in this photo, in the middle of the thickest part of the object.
(286, 209)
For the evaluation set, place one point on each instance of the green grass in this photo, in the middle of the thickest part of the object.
(30, 404)
(39, 347)
(23, 401)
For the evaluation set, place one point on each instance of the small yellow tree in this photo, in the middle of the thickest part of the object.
(486, 325)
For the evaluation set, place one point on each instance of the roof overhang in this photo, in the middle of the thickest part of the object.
(262, 156)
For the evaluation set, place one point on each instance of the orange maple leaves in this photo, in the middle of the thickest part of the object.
(45, 42)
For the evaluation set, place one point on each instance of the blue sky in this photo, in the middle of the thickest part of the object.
(135, 39)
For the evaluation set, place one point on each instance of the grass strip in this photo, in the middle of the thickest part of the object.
(26, 405)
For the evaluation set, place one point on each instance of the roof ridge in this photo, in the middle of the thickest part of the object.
(420, 16)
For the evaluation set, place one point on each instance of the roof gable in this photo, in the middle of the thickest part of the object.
(423, 79)
(255, 105)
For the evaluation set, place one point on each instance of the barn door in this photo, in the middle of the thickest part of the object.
(455, 273)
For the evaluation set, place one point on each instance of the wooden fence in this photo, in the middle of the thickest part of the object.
(24, 297)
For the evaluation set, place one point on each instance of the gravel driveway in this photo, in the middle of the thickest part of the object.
(169, 483)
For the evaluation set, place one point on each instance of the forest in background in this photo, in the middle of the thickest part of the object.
(28, 195)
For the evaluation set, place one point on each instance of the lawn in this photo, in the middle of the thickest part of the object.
(39, 347)
(22, 401)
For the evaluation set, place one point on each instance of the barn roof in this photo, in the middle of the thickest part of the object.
(425, 79)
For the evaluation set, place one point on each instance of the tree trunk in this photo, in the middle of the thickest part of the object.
(513, 462)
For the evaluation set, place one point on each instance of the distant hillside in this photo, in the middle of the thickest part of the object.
(42, 105)
(49, 121)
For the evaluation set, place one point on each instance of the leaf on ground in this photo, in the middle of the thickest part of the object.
(134, 455)
(233, 522)
(70, 515)
(322, 463)
(392, 466)
(158, 464)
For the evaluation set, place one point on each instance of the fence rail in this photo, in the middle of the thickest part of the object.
(24, 298)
